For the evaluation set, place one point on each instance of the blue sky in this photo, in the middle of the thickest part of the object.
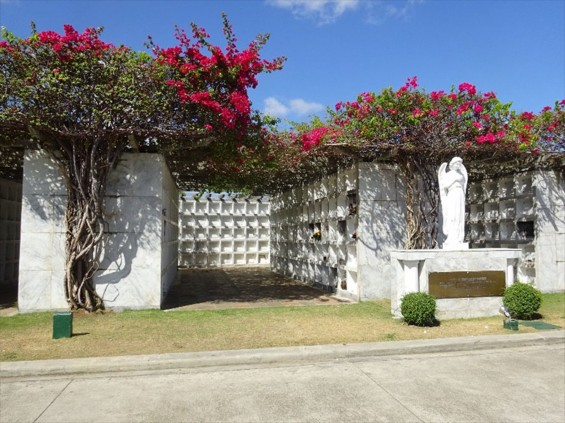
(337, 49)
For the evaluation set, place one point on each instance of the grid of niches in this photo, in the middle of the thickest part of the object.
(10, 216)
(501, 213)
(224, 232)
(314, 233)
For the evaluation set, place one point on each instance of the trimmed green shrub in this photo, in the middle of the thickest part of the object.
(419, 309)
(522, 300)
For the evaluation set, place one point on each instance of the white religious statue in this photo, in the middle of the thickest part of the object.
(452, 189)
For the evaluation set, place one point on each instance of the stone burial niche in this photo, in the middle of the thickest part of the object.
(140, 249)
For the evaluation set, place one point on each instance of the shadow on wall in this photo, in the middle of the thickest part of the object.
(382, 212)
(382, 228)
(550, 186)
(131, 246)
(130, 265)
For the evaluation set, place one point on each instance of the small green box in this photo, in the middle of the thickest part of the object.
(510, 324)
(62, 325)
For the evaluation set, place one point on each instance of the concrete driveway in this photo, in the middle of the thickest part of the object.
(510, 384)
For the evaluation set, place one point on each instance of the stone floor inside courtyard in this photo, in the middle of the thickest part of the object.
(223, 288)
(241, 287)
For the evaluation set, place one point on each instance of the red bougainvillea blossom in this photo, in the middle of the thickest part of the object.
(215, 78)
(71, 42)
(313, 138)
(409, 117)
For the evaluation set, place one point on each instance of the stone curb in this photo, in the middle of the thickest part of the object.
(285, 355)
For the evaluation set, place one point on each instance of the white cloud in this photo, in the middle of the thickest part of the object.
(301, 107)
(324, 11)
(378, 12)
(328, 11)
(401, 10)
(297, 107)
(274, 107)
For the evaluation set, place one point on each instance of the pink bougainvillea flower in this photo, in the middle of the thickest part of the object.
(436, 95)
(240, 102)
(412, 82)
(463, 108)
(488, 138)
(466, 87)
(313, 138)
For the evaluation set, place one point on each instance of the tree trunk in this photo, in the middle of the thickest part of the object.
(422, 202)
(85, 165)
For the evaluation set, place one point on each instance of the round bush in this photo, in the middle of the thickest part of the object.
(418, 308)
(522, 300)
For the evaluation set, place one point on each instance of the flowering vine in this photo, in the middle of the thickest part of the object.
(418, 130)
(85, 102)
(213, 78)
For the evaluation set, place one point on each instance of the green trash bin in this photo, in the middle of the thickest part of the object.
(510, 324)
(62, 325)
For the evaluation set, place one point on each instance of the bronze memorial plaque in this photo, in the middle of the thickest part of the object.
(488, 283)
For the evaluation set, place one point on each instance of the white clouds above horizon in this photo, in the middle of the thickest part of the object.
(324, 11)
(329, 11)
(300, 107)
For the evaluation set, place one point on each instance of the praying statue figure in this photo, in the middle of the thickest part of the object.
(452, 189)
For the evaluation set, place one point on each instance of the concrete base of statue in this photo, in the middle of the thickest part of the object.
(458, 246)
(466, 283)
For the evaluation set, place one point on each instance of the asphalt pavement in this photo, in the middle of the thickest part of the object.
(503, 378)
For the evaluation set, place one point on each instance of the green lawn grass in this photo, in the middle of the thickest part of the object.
(29, 336)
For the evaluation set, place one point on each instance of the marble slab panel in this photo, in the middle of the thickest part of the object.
(138, 289)
(377, 182)
(40, 291)
(36, 251)
(41, 175)
(133, 214)
(137, 175)
(467, 308)
(125, 251)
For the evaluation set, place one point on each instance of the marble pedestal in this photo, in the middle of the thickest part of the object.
(413, 269)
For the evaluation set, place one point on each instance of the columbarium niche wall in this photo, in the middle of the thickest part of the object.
(10, 216)
(221, 231)
(140, 249)
(352, 253)
(526, 211)
(336, 233)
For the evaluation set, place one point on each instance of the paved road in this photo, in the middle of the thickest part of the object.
(517, 384)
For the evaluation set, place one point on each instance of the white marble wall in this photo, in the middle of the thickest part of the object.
(381, 227)
(42, 243)
(550, 231)
(10, 216)
(132, 270)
